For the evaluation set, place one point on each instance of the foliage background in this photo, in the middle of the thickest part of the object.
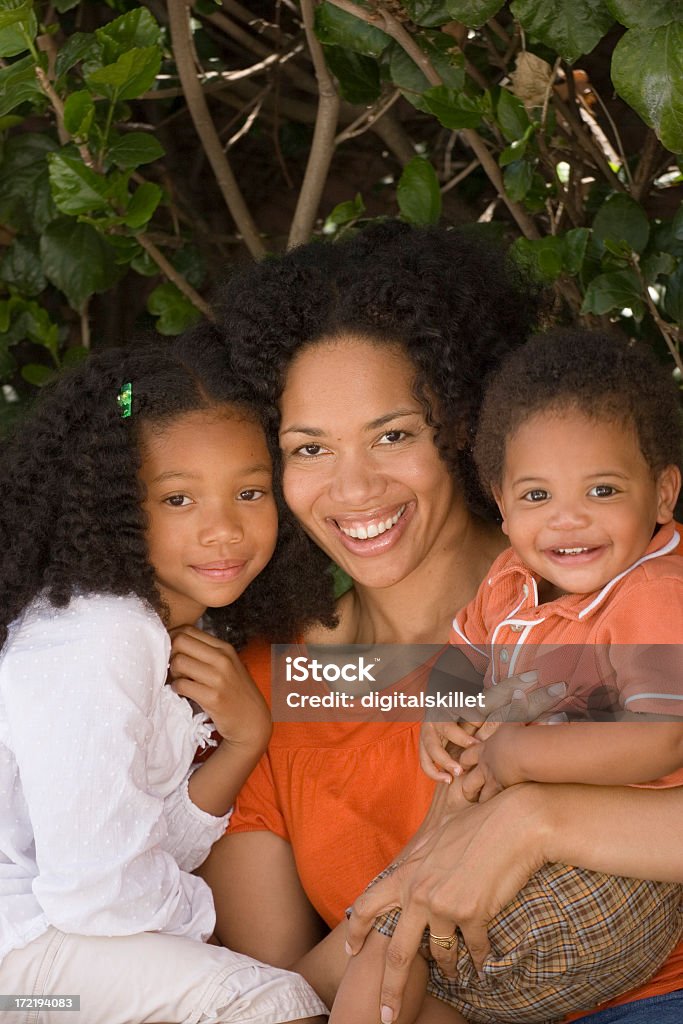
(147, 148)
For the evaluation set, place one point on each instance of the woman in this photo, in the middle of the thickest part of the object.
(372, 355)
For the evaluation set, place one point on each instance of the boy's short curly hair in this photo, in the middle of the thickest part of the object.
(454, 303)
(71, 516)
(599, 374)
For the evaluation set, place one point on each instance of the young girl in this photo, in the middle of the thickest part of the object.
(580, 441)
(137, 497)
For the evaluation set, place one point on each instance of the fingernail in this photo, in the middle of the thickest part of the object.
(528, 677)
(456, 769)
(557, 689)
(446, 779)
(386, 1015)
(347, 949)
(559, 719)
(518, 695)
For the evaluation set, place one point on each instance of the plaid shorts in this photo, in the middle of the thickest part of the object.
(570, 940)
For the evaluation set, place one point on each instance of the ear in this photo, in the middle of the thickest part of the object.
(668, 487)
(498, 498)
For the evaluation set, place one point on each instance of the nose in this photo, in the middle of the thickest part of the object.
(568, 514)
(356, 481)
(221, 524)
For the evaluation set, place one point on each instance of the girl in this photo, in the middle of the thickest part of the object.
(136, 496)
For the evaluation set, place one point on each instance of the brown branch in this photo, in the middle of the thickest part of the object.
(322, 146)
(646, 171)
(182, 48)
(172, 274)
(669, 332)
(387, 23)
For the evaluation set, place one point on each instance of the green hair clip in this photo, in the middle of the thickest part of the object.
(125, 400)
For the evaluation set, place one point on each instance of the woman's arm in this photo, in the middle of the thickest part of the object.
(261, 907)
(481, 857)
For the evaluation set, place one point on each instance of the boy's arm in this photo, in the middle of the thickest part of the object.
(607, 753)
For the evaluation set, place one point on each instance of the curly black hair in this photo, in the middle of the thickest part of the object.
(71, 518)
(602, 375)
(454, 304)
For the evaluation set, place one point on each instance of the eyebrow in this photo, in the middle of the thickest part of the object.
(179, 474)
(381, 421)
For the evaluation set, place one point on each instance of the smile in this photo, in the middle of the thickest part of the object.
(374, 528)
(220, 572)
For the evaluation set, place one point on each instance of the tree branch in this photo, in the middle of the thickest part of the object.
(323, 145)
(177, 279)
(381, 19)
(182, 48)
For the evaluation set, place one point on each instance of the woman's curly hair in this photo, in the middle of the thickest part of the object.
(455, 305)
(601, 374)
(71, 518)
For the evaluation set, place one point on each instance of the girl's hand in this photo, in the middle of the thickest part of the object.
(209, 672)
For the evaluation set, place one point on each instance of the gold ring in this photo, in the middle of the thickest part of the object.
(445, 941)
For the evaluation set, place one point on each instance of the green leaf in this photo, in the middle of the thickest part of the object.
(131, 75)
(135, 149)
(18, 27)
(511, 116)
(25, 198)
(454, 109)
(647, 72)
(405, 74)
(142, 205)
(18, 84)
(473, 13)
(656, 264)
(637, 14)
(358, 76)
(79, 113)
(8, 366)
(344, 213)
(175, 312)
(575, 245)
(543, 258)
(418, 192)
(517, 179)
(66, 5)
(75, 355)
(336, 27)
(25, 320)
(37, 374)
(621, 219)
(619, 289)
(21, 267)
(517, 149)
(570, 27)
(75, 187)
(81, 46)
(78, 260)
(673, 297)
(428, 13)
(134, 30)
(189, 262)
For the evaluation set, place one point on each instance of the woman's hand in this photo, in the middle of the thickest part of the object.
(461, 876)
(209, 672)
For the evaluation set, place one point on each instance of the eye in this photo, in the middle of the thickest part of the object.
(309, 451)
(602, 491)
(251, 494)
(536, 495)
(393, 437)
(177, 500)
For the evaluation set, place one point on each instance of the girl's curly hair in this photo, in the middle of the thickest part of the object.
(455, 305)
(71, 518)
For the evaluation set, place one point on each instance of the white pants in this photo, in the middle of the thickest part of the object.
(150, 977)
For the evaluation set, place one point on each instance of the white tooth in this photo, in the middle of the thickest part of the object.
(372, 530)
(388, 524)
(381, 528)
(351, 533)
(362, 533)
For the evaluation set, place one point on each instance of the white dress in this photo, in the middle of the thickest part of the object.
(97, 831)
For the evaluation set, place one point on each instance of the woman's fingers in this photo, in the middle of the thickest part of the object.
(443, 944)
(401, 951)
